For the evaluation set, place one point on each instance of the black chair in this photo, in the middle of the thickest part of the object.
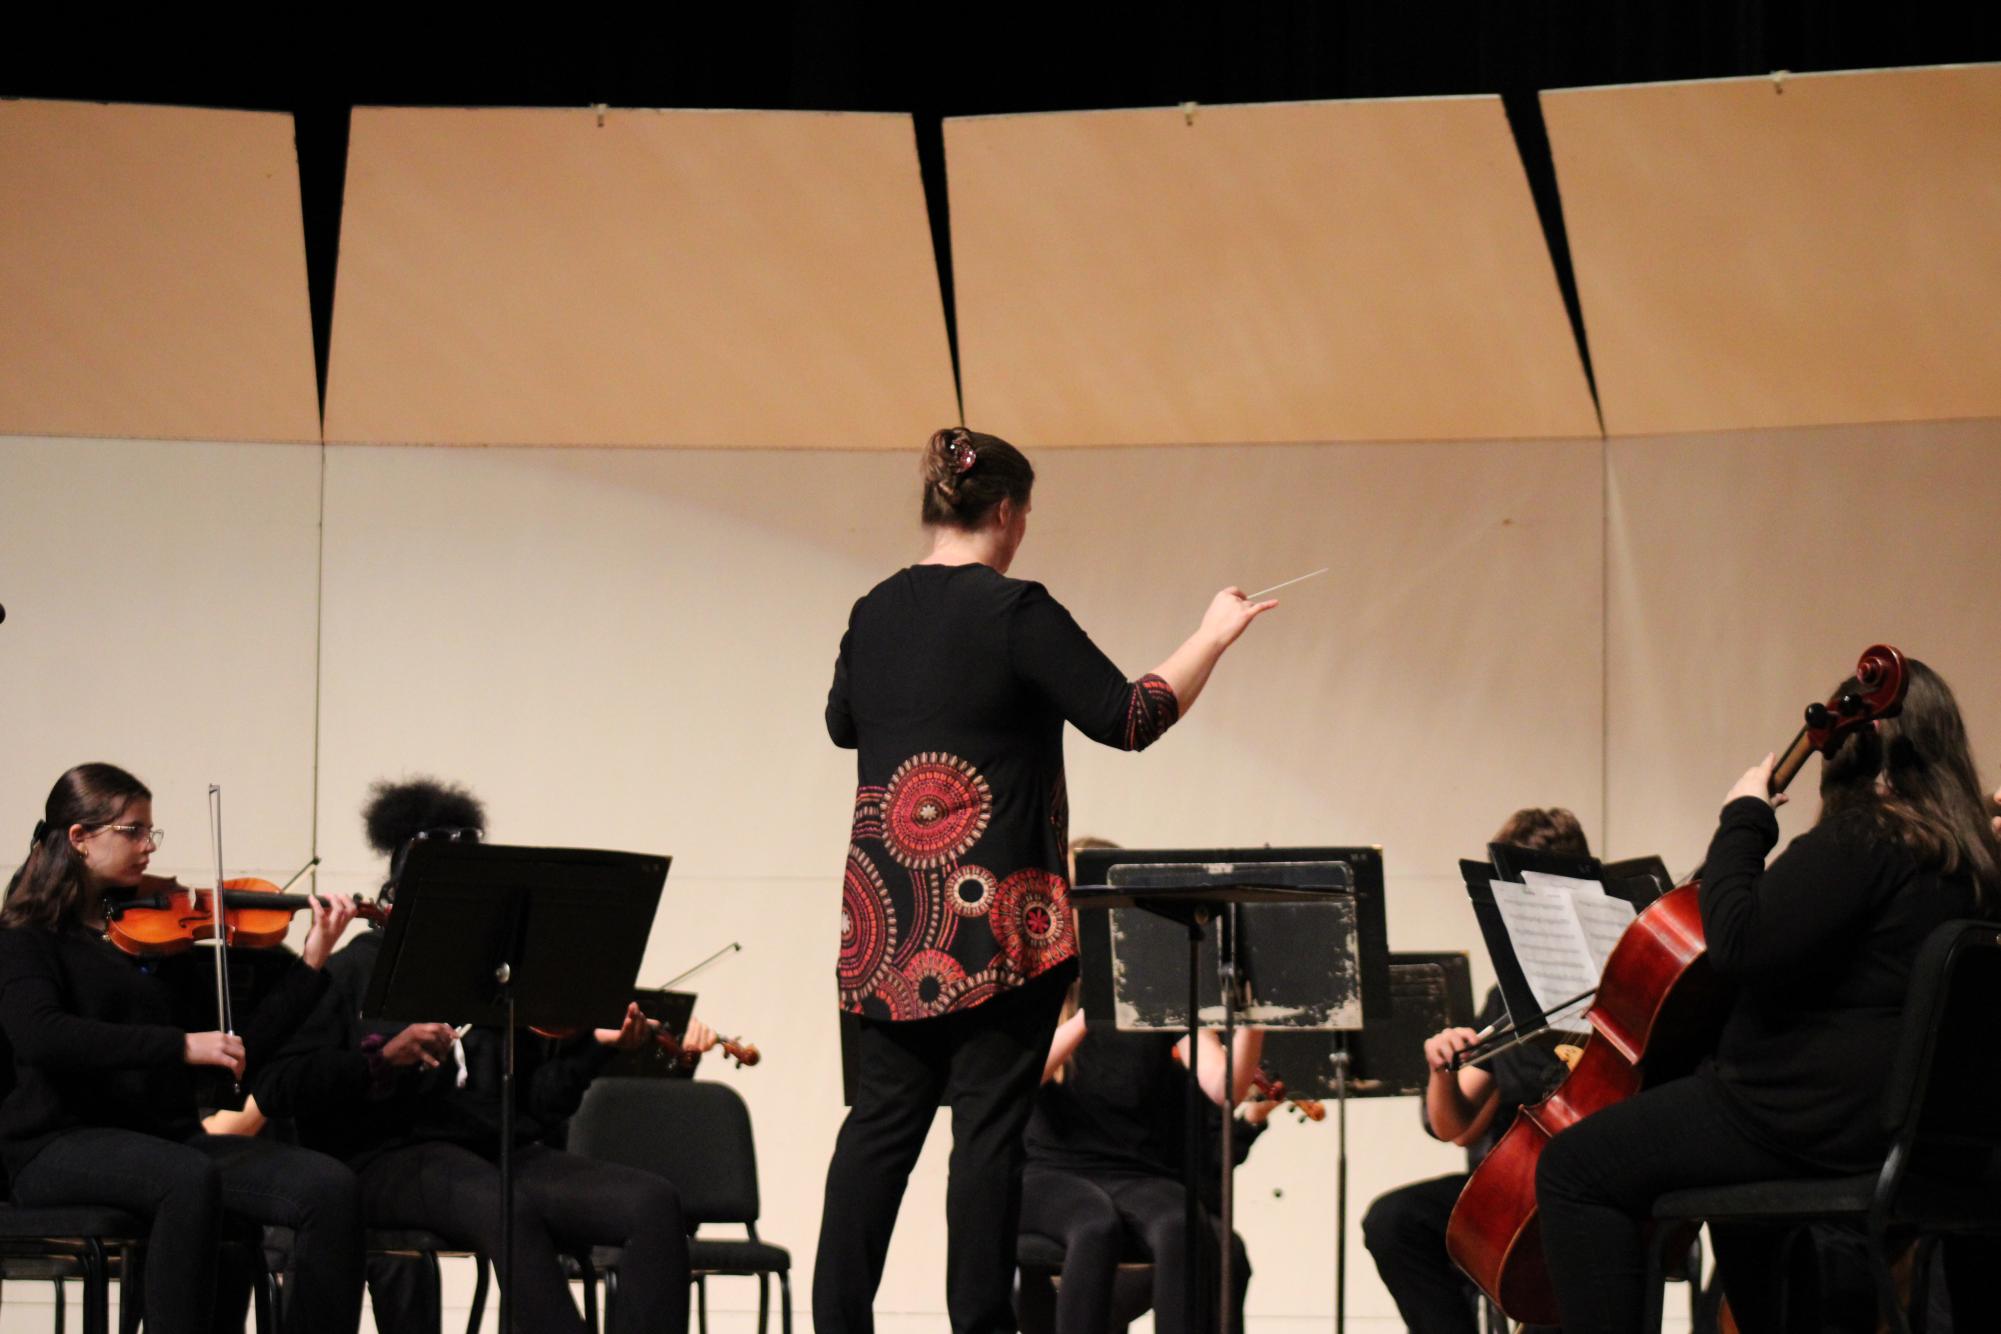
(696, 1134)
(407, 1243)
(1040, 1260)
(1942, 1174)
(80, 1242)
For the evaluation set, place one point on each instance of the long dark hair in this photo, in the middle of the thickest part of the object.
(967, 473)
(50, 888)
(1911, 779)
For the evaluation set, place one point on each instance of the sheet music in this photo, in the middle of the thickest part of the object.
(1550, 944)
(1602, 918)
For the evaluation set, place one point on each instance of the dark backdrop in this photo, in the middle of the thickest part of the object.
(947, 59)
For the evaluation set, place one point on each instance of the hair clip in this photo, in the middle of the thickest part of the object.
(41, 831)
(967, 457)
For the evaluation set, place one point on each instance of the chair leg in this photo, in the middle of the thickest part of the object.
(96, 1289)
(763, 1303)
(62, 1299)
(1888, 1308)
(264, 1302)
(590, 1276)
(131, 1289)
(478, 1316)
(611, 1296)
(702, 1303)
(785, 1300)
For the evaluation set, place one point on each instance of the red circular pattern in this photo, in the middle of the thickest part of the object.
(868, 925)
(984, 985)
(936, 808)
(1030, 918)
(933, 974)
(895, 996)
(970, 890)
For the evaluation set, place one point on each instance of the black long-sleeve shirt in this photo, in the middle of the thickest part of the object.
(953, 685)
(1820, 946)
(98, 1038)
(331, 1081)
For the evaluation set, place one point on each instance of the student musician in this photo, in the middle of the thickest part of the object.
(104, 1103)
(1821, 945)
(1105, 1162)
(953, 685)
(1404, 1229)
(388, 1100)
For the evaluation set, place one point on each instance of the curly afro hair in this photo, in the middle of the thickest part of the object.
(398, 812)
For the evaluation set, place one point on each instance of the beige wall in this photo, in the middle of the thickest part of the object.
(631, 648)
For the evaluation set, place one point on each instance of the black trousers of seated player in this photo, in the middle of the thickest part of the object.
(560, 1200)
(1098, 1216)
(985, 1064)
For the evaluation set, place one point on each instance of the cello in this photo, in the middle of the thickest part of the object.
(1657, 1011)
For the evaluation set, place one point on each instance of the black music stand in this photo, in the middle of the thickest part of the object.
(1194, 888)
(504, 936)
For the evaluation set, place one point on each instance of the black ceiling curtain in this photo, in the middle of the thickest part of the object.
(938, 60)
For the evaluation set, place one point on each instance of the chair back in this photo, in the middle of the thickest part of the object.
(1939, 1105)
(693, 1132)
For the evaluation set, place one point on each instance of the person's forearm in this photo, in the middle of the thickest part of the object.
(1446, 1106)
(1187, 669)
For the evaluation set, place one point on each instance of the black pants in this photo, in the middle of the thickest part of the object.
(1597, 1183)
(404, 1295)
(1404, 1230)
(1094, 1215)
(186, 1188)
(562, 1202)
(985, 1064)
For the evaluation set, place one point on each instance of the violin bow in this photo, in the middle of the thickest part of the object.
(220, 939)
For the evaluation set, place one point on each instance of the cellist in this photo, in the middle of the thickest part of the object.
(1820, 945)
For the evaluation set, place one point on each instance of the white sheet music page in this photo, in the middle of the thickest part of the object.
(1550, 945)
(1602, 917)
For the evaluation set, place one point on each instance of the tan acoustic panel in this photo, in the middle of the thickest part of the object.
(161, 615)
(1784, 252)
(566, 277)
(1300, 272)
(152, 275)
(1747, 573)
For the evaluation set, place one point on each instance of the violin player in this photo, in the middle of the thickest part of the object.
(388, 1100)
(104, 1105)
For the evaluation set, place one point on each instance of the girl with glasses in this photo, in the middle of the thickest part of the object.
(104, 1101)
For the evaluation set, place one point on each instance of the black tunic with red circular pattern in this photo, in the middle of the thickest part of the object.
(953, 685)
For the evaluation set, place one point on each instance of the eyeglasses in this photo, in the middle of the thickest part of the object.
(139, 833)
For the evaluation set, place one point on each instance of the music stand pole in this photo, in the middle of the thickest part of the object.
(504, 975)
(1191, 1199)
(1226, 965)
(1341, 1185)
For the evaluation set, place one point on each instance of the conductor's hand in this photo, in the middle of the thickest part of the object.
(331, 915)
(1757, 782)
(1441, 1047)
(419, 1044)
(223, 1049)
(1229, 612)
(636, 1031)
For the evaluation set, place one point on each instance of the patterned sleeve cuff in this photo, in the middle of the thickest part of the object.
(1151, 708)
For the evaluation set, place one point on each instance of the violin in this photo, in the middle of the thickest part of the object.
(1273, 1090)
(739, 1052)
(164, 917)
(1657, 1010)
